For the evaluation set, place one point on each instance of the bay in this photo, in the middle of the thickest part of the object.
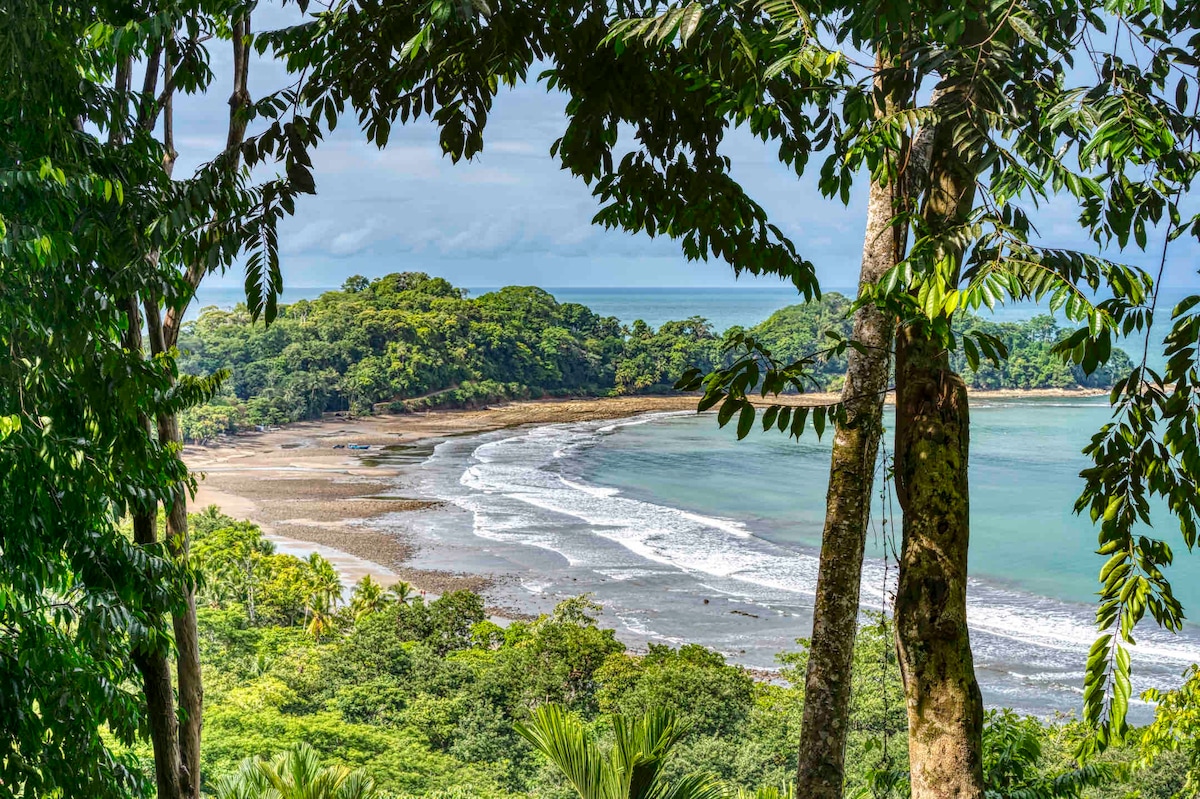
(684, 534)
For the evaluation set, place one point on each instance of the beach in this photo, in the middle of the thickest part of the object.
(310, 492)
(679, 531)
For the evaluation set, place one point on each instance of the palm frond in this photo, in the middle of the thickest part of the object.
(562, 738)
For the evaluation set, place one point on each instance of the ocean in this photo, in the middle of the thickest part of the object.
(686, 535)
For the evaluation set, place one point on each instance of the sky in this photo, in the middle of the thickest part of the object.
(512, 216)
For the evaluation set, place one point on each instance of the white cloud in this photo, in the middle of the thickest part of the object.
(514, 147)
(514, 216)
(351, 241)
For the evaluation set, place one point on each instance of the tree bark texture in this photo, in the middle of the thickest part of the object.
(164, 335)
(821, 764)
(187, 642)
(154, 664)
(945, 708)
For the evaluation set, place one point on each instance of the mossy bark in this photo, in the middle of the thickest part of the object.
(945, 708)
(821, 764)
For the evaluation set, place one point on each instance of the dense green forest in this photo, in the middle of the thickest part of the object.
(409, 341)
(1007, 152)
(423, 696)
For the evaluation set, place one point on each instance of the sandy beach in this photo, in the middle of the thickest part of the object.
(518, 503)
(309, 496)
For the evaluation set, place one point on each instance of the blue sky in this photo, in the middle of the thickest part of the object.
(513, 217)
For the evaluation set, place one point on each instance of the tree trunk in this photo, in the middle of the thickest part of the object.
(945, 708)
(187, 642)
(153, 664)
(164, 334)
(156, 683)
(821, 772)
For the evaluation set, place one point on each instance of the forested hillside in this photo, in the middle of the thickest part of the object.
(409, 341)
(424, 696)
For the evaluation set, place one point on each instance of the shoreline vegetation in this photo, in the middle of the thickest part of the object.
(330, 407)
(406, 358)
(406, 343)
(403, 685)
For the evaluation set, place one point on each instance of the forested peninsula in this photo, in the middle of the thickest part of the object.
(408, 341)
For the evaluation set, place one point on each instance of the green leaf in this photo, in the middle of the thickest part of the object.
(745, 420)
(727, 410)
(708, 400)
(1025, 30)
(9, 425)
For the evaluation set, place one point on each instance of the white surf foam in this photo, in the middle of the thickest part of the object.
(518, 494)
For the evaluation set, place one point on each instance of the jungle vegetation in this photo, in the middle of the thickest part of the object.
(408, 341)
(432, 697)
(967, 119)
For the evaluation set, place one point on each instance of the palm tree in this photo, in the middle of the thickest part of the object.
(632, 769)
(403, 591)
(324, 593)
(319, 624)
(369, 597)
(295, 774)
(326, 584)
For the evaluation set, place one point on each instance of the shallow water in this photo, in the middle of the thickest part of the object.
(658, 514)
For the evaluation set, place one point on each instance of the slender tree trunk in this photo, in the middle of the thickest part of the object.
(187, 642)
(164, 334)
(156, 683)
(945, 708)
(821, 772)
(153, 664)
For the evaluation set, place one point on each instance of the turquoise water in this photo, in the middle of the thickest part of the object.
(1025, 463)
(684, 534)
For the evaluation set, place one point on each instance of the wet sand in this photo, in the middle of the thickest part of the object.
(308, 496)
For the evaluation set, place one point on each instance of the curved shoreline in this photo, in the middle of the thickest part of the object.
(304, 493)
(308, 496)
